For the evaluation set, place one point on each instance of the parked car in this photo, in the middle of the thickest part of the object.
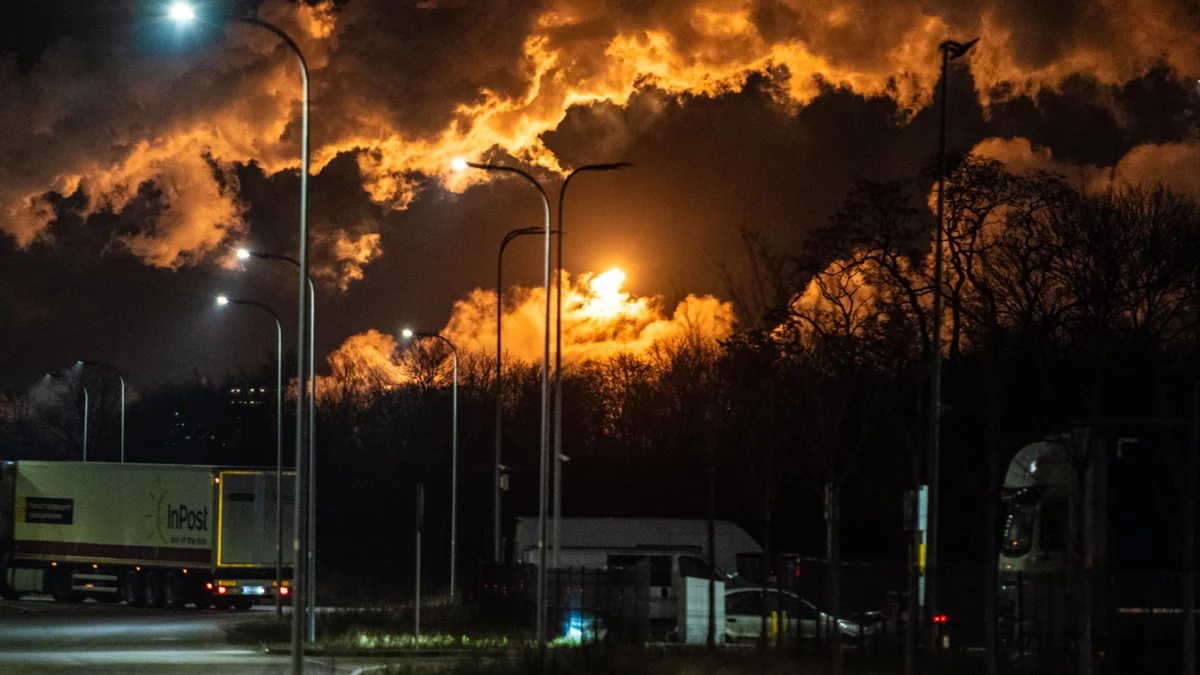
(744, 609)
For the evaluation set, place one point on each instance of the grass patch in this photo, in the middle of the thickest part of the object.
(691, 661)
(650, 661)
(444, 625)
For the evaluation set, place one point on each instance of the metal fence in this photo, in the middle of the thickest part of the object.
(584, 605)
(1138, 625)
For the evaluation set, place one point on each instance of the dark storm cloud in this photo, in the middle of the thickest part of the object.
(757, 113)
(405, 87)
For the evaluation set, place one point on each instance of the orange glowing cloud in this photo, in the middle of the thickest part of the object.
(1174, 165)
(350, 254)
(407, 87)
(600, 320)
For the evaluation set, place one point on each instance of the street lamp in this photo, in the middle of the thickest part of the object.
(950, 50)
(85, 406)
(246, 254)
(462, 165)
(408, 335)
(121, 377)
(496, 515)
(221, 302)
(562, 195)
(182, 13)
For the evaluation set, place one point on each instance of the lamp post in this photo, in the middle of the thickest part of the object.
(409, 334)
(562, 195)
(221, 302)
(85, 406)
(121, 377)
(462, 165)
(496, 514)
(950, 50)
(181, 12)
(246, 254)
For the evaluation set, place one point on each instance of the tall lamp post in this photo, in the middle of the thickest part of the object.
(409, 334)
(462, 165)
(558, 388)
(246, 254)
(951, 50)
(221, 302)
(496, 512)
(85, 406)
(121, 377)
(181, 12)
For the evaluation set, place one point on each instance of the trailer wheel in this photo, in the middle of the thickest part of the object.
(174, 591)
(131, 589)
(61, 587)
(152, 589)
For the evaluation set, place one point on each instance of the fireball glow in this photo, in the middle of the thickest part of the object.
(607, 296)
(600, 320)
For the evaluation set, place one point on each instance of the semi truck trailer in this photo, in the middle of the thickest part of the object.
(1093, 560)
(154, 535)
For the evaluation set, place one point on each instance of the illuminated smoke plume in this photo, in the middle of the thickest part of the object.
(349, 254)
(1174, 165)
(405, 87)
(600, 321)
(364, 363)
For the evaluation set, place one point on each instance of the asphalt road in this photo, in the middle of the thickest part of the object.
(39, 637)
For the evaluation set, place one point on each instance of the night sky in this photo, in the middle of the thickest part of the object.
(135, 155)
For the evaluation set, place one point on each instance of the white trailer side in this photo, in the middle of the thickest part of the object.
(155, 534)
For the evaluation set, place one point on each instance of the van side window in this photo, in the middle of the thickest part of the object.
(1054, 526)
(660, 566)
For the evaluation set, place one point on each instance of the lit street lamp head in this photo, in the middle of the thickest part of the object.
(243, 254)
(222, 300)
(459, 164)
(181, 12)
(406, 333)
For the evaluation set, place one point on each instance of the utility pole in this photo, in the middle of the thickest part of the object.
(950, 50)
(417, 585)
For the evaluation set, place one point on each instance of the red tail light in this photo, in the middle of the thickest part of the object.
(220, 590)
(208, 585)
(284, 590)
(940, 618)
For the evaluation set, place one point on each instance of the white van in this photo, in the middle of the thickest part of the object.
(667, 571)
(675, 549)
(685, 535)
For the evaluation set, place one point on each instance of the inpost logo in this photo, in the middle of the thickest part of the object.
(166, 519)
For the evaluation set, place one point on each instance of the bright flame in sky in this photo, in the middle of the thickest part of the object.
(600, 320)
(607, 293)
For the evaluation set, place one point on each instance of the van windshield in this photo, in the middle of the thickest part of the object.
(691, 566)
(1020, 513)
